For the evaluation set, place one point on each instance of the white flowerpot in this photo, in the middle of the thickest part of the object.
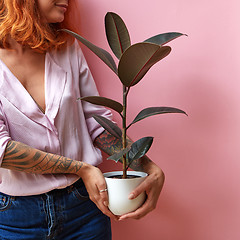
(119, 190)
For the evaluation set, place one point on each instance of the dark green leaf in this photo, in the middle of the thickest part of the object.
(164, 38)
(117, 156)
(147, 112)
(102, 101)
(101, 53)
(117, 34)
(109, 126)
(139, 148)
(137, 60)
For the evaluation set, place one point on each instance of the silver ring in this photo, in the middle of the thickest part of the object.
(103, 190)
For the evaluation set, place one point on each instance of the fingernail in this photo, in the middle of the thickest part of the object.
(121, 219)
(131, 196)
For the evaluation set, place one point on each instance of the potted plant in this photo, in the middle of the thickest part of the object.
(134, 62)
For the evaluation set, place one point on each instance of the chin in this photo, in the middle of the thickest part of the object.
(61, 20)
(57, 19)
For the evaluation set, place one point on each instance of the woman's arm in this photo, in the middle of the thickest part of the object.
(153, 183)
(20, 157)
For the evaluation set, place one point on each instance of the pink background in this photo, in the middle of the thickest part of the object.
(199, 154)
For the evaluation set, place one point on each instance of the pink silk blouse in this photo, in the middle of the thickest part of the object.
(67, 127)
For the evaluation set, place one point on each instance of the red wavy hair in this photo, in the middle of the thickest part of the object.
(20, 19)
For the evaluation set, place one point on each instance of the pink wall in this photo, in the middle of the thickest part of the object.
(199, 154)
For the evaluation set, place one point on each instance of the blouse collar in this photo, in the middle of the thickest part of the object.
(55, 80)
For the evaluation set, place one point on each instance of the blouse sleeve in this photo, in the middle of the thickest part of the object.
(88, 88)
(4, 134)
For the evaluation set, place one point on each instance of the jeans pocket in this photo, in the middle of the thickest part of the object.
(81, 193)
(5, 202)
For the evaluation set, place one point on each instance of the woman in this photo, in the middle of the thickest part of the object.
(48, 140)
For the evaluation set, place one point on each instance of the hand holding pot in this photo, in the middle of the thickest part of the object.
(96, 187)
(152, 185)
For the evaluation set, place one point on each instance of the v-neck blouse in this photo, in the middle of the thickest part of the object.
(66, 128)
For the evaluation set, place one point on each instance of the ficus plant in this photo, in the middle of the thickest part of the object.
(135, 60)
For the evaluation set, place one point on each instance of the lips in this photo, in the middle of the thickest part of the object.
(62, 5)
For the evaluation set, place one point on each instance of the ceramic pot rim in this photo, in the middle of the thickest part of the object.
(134, 173)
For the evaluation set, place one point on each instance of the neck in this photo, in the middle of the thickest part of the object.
(16, 47)
(18, 51)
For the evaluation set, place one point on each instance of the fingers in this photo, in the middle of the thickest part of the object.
(100, 198)
(148, 206)
(138, 190)
(103, 193)
(96, 187)
(152, 185)
(153, 181)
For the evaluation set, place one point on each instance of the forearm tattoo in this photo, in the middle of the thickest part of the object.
(139, 164)
(110, 144)
(21, 157)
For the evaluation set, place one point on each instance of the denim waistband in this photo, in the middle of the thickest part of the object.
(79, 183)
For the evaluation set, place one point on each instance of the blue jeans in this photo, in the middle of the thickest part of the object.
(65, 214)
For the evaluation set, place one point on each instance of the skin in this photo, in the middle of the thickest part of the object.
(152, 185)
(52, 11)
(28, 67)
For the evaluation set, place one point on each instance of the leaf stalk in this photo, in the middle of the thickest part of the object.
(124, 130)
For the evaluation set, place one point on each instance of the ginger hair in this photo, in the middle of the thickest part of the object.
(21, 21)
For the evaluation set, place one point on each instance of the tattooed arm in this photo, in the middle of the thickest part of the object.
(153, 183)
(20, 157)
(109, 144)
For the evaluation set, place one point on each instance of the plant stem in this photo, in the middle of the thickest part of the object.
(124, 130)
